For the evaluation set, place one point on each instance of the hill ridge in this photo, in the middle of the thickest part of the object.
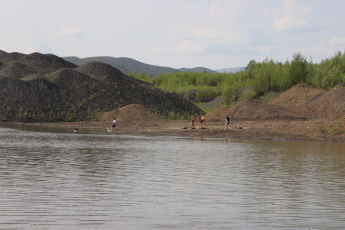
(126, 64)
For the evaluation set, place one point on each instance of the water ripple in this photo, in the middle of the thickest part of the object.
(59, 180)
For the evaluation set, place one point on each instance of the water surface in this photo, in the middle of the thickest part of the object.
(65, 180)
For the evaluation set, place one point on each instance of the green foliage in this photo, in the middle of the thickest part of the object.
(298, 69)
(322, 129)
(268, 97)
(205, 94)
(331, 71)
(232, 90)
(257, 79)
(173, 81)
(141, 76)
(334, 130)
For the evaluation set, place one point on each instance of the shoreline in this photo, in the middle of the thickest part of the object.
(289, 130)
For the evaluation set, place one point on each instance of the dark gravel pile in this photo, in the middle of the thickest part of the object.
(17, 70)
(38, 87)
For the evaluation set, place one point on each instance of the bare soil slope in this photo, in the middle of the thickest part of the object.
(301, 113)
(130, 114)
(331, 104)
(250, 109)
(218, 114)
(297, 99)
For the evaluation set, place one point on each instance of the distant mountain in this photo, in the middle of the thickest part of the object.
(231, 70)
(131, 65)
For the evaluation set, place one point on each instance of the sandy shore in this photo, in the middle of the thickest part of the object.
(297, 130)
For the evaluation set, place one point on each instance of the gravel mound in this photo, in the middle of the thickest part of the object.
(40, 63)
(249, 109)
(16, 70)
(104, 72)
(297, 99)
(256, 110)
(331, 104)
(130, 114)
(218, 114)
(33, 77)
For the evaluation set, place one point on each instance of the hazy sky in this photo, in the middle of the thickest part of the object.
(176, 33)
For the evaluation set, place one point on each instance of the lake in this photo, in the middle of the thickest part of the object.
(56, 179)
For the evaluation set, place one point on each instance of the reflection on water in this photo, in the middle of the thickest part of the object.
(63, 180)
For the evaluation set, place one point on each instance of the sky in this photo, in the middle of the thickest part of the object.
(215, 34)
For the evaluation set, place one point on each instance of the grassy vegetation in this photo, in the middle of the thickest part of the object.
(256, 81)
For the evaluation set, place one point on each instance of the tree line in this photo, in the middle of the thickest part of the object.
(255, 81)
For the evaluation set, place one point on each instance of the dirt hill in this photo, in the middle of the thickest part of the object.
(331, 104)
(130, 114)
(312, 102)
(297, 99)
(250, 109)
(299, 102)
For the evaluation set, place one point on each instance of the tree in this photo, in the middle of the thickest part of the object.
(298, 69)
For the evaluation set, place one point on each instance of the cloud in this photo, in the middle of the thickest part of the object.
(289, 23)
(229, 8)
(29, 47)
(292, 17)
(72, 32)
(161, 51)
(190, 46)
(8, 10)
(4, 48)
(216, 27)
(263, 49)
(337, 41)
(210, 35)
(325, 47)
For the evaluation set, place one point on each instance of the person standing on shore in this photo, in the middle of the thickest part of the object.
(203, 120)
(114, 123)
(227, 122)
(192, 118)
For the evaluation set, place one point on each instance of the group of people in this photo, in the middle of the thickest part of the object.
(202, 121)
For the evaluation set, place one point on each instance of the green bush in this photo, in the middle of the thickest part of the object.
(298, 69)
(262, 76)
(207, 94)
(322, 129)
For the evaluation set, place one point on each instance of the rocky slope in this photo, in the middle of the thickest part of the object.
(44, 87)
